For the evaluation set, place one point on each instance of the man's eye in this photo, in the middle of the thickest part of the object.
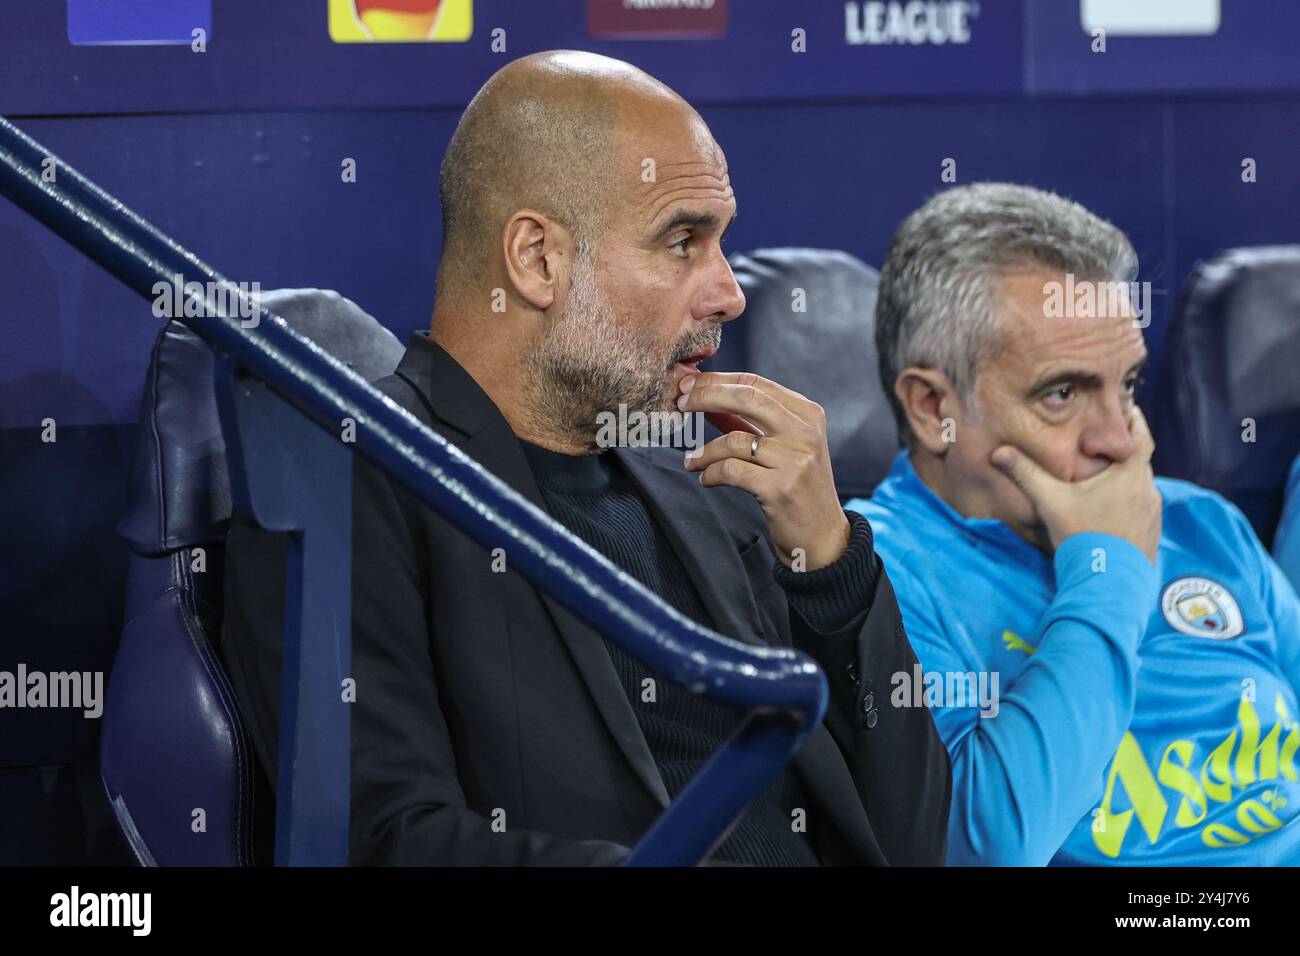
(1059, 396)
(1132, 385)
(681, 245)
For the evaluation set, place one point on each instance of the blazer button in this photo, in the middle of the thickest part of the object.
(869, 703)
(871, 718)
(852, 672)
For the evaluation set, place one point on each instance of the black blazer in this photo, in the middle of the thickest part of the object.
(481, 699)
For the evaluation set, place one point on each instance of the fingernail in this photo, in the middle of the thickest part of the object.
(693, 454)
(1001, 458)
(688, 383)
(681, 401)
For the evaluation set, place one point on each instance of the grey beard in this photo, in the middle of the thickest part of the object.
(569, 385)
(569, 396)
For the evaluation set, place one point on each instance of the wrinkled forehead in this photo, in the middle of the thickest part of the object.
(1042, 318)
(669, 162)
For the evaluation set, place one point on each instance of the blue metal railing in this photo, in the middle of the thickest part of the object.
(783, 690)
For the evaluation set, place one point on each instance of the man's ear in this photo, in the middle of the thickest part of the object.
(931, 405)
(538, 255)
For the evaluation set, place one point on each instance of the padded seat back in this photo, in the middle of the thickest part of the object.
(176, 762)
(809, 324)
(1227, 410)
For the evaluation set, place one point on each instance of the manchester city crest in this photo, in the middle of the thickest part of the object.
(1201, 608)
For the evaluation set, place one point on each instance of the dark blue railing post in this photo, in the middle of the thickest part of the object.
(785, 688)
(698, 820)
(289, 475)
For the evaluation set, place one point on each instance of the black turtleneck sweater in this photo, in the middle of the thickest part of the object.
(593, 497)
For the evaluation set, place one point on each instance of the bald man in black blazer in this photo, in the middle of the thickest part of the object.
(492, 727)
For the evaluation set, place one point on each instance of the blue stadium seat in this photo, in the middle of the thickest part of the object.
(173, 750)
(1225, 411)
(809, 323)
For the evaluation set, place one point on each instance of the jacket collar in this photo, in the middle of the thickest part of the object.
(904, 487)
(451, 393)
(674, 497)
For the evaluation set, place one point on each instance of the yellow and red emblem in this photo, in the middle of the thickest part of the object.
(401, 21)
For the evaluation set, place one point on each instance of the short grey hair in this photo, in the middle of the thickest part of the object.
(936, 307)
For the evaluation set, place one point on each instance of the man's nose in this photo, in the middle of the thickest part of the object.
(1108, 435)
(722, 299)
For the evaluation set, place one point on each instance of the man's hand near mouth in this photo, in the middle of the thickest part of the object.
(789, 472)
(1122, 500)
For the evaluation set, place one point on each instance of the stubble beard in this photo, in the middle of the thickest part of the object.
(589, 362)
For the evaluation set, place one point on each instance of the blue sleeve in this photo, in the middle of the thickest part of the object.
(1023, 778)
(1286, 546)
(1277, 593)
(1284, 606)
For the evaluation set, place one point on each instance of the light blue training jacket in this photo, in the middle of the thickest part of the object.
(1142, 715)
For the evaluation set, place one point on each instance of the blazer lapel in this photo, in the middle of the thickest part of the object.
(453, 396)
(679, 504)
(710, 556)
